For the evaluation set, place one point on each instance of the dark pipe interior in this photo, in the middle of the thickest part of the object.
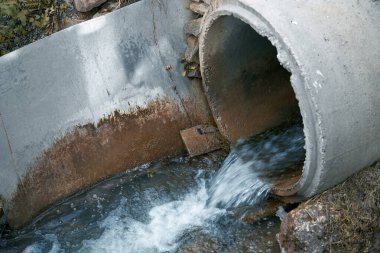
(248, 90)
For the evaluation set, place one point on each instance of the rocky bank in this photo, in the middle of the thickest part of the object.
(345, 218)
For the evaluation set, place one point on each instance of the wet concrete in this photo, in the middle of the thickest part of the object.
(93, 152)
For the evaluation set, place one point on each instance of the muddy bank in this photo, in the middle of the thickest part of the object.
(345, 218)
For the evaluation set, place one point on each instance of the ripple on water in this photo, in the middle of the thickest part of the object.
(176, 205)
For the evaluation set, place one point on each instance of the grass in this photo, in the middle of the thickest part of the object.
(342, 219)
(353, 209)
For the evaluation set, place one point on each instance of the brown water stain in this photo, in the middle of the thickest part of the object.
(91, 153)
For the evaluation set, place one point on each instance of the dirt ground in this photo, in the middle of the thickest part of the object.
(25, 21)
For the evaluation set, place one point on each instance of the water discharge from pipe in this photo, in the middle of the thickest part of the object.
(159, 213)
(253, 166)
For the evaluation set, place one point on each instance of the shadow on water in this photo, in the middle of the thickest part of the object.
(174, 205)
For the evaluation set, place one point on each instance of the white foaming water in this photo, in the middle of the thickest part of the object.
(244, 179)
(39, 248)
(245, 176)
(236, 184)
(167, 223)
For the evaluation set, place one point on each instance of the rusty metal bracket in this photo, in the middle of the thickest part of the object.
(202, 139)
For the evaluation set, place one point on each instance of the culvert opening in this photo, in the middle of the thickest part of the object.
(248, 90)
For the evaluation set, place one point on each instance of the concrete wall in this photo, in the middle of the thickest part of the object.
(107, 95)
(91, 101)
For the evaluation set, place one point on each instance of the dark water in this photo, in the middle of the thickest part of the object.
(174, 205)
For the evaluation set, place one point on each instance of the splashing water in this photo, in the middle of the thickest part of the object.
(181, 205)
(247, 173)
(167, 223)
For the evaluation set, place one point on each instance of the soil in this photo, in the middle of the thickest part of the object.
(25, 21)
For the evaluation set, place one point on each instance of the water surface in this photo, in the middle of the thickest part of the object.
(174, 205)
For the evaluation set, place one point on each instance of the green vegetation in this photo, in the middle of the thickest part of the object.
(24, 21)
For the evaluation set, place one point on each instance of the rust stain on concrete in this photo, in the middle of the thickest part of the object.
(91, 153)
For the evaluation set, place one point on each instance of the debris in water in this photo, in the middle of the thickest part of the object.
(281, 213)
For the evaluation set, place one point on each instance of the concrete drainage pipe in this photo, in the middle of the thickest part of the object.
(262, 60)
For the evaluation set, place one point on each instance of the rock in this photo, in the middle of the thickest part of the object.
(193, 27)
(342, 219)
(200, 8)
(107, 8)
(303, 232)
(71, 21)
(200, 1)
(192, 41)
(87, 5)
(255, 213)
(194, 73)
(191, 54)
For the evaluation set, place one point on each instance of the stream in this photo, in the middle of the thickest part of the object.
(173, 205)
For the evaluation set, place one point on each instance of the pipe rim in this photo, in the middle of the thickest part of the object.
(304, 186)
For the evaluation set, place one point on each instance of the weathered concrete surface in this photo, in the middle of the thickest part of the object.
(90, 153)
(332, 52)
(343, 219)
(254, 93)
(91, 101)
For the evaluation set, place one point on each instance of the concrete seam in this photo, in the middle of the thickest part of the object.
(11, 153)
(172, 86)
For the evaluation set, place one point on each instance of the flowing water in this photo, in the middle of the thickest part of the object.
(254, 165)
(175, 205)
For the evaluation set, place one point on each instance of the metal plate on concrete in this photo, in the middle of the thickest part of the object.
(202, 139)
